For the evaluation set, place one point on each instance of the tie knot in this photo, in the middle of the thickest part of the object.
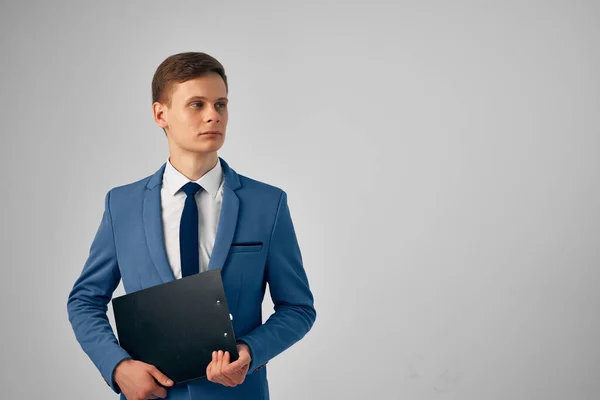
(191, 188)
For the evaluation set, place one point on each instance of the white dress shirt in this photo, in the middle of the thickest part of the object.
(208, 199)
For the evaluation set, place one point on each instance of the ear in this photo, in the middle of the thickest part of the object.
(160, 114)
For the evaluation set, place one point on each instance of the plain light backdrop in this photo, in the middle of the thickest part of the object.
(440, 158)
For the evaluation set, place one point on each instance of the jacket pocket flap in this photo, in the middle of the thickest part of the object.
(244, 247)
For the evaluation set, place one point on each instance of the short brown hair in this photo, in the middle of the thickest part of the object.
(182, 67)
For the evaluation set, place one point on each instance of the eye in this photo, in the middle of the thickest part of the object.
(218, 105)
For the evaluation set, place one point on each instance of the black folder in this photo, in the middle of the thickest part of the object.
(176, 326)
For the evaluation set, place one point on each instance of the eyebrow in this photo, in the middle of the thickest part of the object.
(204, 98)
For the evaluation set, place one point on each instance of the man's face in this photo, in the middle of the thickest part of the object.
(197, 106)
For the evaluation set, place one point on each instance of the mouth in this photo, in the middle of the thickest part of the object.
(210, 133)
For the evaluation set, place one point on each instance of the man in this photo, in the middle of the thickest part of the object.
(193, 214)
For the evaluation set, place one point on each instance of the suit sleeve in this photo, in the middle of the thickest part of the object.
(88, 299)
(293, 301)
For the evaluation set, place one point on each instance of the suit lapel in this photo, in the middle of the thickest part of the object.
(225, 229)
(153, 226)
(152, 217)
(227, 218)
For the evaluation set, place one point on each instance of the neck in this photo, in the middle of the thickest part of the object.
(194, 165)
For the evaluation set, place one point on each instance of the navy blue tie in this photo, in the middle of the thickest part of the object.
(188, 232)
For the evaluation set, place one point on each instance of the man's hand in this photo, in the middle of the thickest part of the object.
(136, 380)
(221, 371)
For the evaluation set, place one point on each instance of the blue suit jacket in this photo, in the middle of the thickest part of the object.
(129, 245)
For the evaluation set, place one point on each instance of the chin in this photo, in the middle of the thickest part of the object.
(206, 148)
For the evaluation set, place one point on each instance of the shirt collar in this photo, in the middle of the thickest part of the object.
(174, 180)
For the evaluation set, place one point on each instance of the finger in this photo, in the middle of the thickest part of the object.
(220, 361)
(231, 379)
(159, 376)
(223, 379)
(231, 366)
(159, 392)
(210, 368)
(219, 367)
(238, 364)
(226, 360)
(214, 371)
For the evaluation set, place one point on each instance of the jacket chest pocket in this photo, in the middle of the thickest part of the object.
(246, 247)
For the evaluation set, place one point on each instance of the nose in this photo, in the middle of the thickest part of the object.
(211, 114)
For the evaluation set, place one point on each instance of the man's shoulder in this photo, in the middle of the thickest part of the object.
(131, 189)
(132, 186)
(258, 187)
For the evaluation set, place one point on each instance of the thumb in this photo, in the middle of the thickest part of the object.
(236, 365)
(159, 376)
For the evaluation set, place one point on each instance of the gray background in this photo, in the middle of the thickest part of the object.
(441, 162)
